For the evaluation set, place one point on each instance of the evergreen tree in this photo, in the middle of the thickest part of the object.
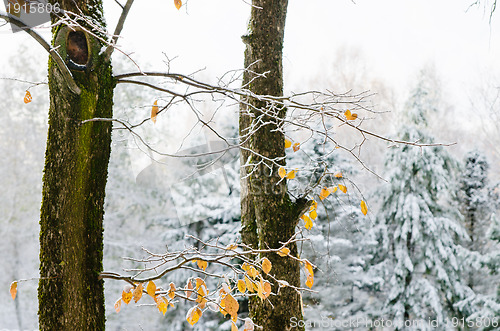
(419, 253)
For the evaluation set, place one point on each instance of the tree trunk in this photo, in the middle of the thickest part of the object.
(70, 293)
(268, 215)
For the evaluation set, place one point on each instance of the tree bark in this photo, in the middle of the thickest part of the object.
(268, 215)
(71, 295)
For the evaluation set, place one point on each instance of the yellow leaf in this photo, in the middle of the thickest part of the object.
(288, 143)
(245, 266)
(252, 272)
(161, 304)
(314, 205)
(296, 147)
(231, 247)
(282, 172)
(151, 288)
(241, 286)
(309, 268)
(13, 290)
(118, 305)
(308, 223)
(291, 174)
(178, 4)
(222, 307)
(284, 251)
(232, 305)
(266, 265)
(260, 289)
(342, 188)
(332, 189)
(171, 291)
(27, 97)
(193, 315)
(202, 264)
(313, 214)
(324, 193)
(126, 296)
(249, 284)
(338, 175)
(310, 281)
(201, 289)
(154, 111)
(137, 295)
(364, 208)
(349, 116)
(233, 326)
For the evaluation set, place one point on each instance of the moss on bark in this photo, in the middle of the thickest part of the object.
(268, 215)
(71, 296)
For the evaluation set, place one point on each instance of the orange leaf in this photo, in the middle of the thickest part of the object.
(233, 326)
(171, 291)
(178, 4)
(13, 290)
(151, 288)
(118, 305)
(266, 265)
(342, 188)
(288, 143)
(296, 147)
(249, 326)
(189, 288)
(137, 295)
(232, 306)
(364, 208)
(309, 273)
(338, 175)
(267, 289)
(154, 111)
(284, 251)
(349, 116)
(27, 97)
(282, 172)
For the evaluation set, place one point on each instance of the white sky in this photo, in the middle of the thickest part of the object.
(397, 37)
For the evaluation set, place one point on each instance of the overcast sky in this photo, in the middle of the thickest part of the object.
(396, 37)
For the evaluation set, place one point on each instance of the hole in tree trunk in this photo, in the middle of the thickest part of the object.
(77, 47)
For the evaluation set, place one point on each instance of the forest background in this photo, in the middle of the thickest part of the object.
(379, 47)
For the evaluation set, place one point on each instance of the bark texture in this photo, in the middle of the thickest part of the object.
(268, 215)
(71, 295)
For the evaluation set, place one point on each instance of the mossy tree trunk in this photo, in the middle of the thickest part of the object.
(268, 215)
(71, 295)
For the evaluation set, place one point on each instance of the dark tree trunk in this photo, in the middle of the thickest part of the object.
(71, 295)
(268, 215)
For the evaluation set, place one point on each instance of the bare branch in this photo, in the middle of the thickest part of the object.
(118, 29)
(68, 77)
